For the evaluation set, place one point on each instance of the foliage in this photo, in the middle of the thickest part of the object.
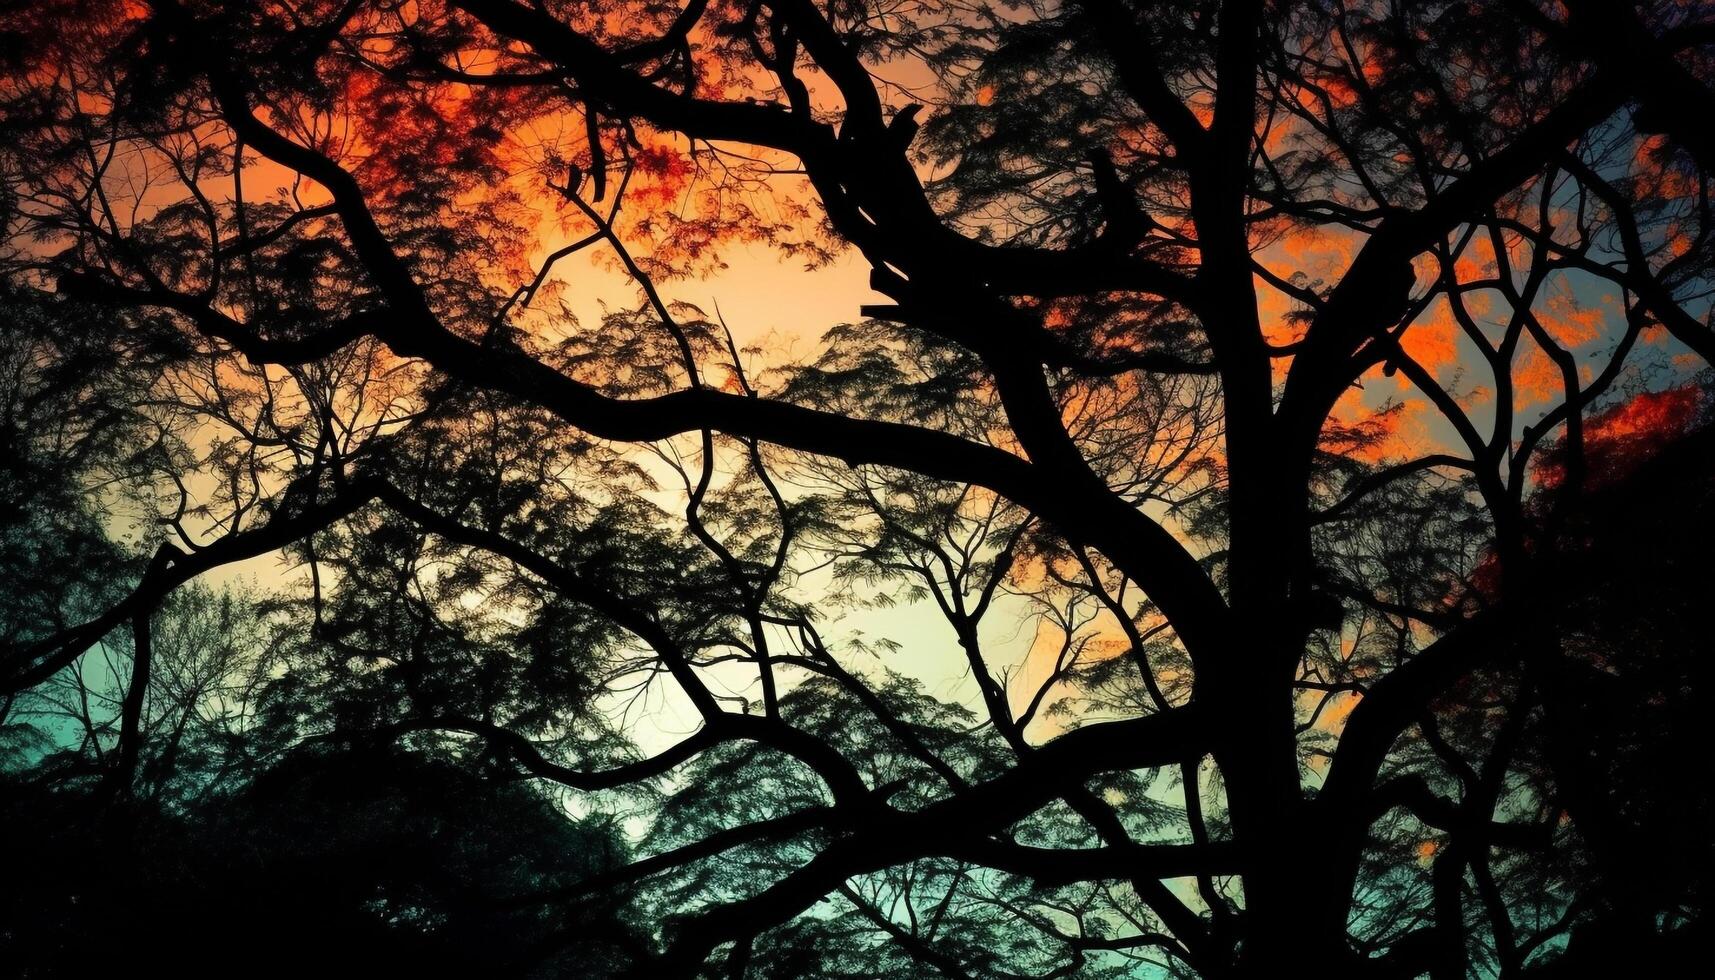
(1263, 526)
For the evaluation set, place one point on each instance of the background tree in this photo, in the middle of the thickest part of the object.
(1295, 374)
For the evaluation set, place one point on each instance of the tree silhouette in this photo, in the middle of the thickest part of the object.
(1320, 389)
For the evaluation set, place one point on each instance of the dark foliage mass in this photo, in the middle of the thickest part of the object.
(1257, 525)
(325, 864)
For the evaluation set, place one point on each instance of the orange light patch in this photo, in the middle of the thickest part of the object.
(1573, 324)
(1616, 441)
(1476, 262)
(1432, 340)
(1537, 379)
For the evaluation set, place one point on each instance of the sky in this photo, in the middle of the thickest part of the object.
(774, 301)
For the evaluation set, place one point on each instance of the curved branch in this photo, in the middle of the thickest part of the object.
(172, 568)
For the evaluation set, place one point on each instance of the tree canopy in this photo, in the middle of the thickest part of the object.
(1254, 522)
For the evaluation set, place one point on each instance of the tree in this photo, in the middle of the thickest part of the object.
(1293, 370)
